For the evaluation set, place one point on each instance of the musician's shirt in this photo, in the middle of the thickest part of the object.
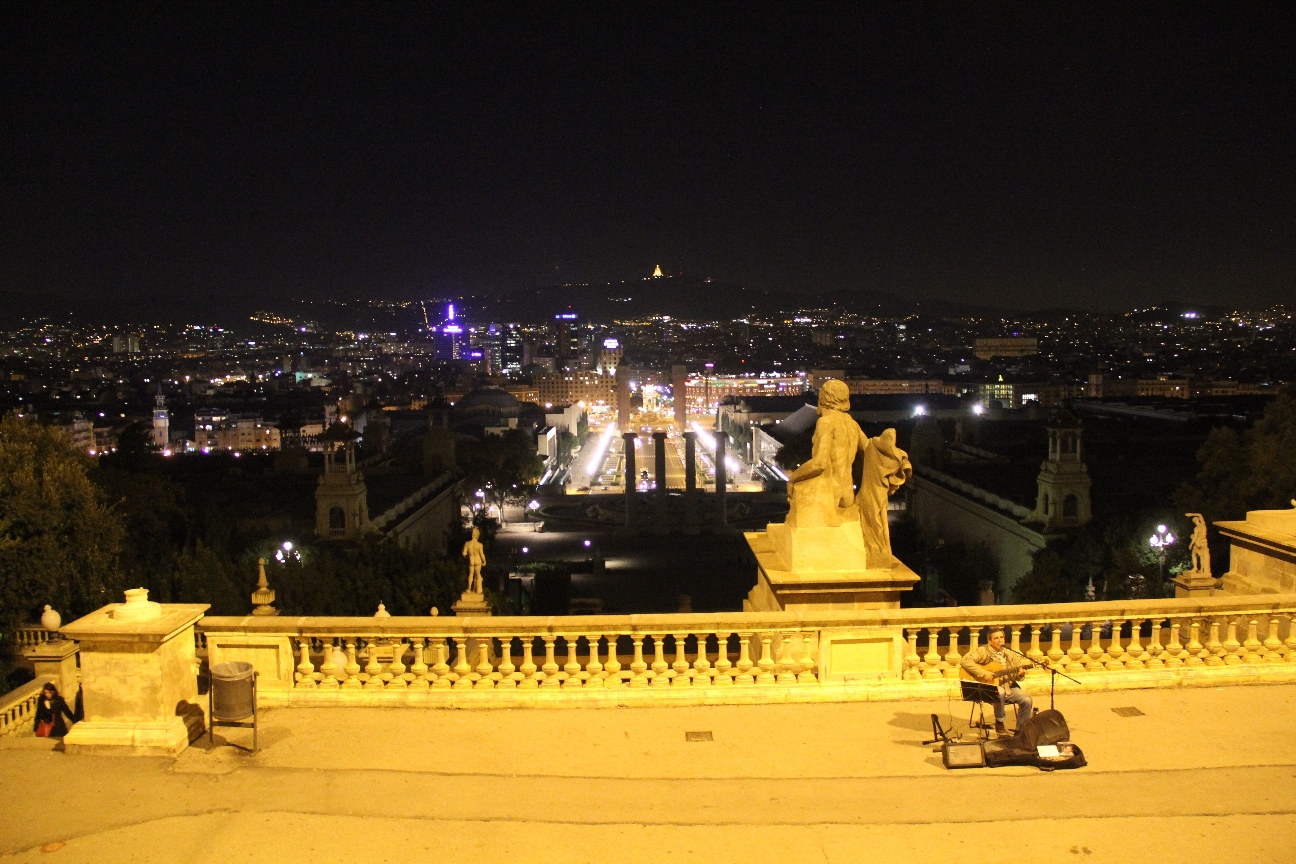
(976, 662)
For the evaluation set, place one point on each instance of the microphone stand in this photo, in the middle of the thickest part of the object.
(1053, 672)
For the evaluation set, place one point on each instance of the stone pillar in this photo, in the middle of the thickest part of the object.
(57, 660)
(679, 396)
(659, 469)
(631, 477)
(690, 482)
(139, 678)
(722, 515)
(623, 398)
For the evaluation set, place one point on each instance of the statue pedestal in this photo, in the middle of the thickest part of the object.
(1193, 584)
(471, 603)
(1262, 553)
(139, 681)
(821, 567)
(57, 660)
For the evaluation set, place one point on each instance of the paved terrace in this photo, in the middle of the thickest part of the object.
(1206, 774)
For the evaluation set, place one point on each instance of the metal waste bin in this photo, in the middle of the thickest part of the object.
(232, 699)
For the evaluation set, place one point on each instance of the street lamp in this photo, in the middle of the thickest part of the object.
(1161, 541)
(532, 507)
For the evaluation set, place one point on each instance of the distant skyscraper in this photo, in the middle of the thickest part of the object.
(512, 352)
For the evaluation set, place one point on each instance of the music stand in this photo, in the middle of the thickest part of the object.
(979, 695)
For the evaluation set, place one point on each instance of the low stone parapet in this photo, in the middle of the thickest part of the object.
(750, 657)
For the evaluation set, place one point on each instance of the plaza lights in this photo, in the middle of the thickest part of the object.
(709, 442)
(595, 464)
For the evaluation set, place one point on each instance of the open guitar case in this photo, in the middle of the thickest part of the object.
(1046, 727)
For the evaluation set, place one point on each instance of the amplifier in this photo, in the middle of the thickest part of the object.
(957, 755)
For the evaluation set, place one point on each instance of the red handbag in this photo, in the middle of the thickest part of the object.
(44, 728)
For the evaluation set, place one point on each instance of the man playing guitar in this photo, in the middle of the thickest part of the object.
(991, 664)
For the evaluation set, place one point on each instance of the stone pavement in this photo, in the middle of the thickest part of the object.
(1204, 775)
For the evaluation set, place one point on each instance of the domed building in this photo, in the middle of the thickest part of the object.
(487, 407)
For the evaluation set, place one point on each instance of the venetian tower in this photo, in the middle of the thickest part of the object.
(1063, 499)
(341, 498)
(161, 421)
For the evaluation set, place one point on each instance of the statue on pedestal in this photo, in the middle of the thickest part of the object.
(820, 491)
(1198, 548)
(476, 555)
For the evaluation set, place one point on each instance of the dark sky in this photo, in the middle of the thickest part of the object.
(162, 156)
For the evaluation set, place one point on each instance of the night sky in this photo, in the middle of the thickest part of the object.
(170, 157)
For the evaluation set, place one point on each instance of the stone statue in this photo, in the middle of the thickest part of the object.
(886, 468)
(820, 491)
(476, 555)
(1197, 547)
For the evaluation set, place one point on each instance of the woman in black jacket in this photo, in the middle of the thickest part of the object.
(51, 708)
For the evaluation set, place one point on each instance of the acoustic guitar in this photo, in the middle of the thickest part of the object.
(1002, 674)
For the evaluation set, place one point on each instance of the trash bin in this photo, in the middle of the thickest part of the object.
(232, 698)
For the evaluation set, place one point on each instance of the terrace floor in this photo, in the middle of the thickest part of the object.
(1205, 775)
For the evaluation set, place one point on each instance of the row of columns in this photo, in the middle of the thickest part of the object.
(659, 466)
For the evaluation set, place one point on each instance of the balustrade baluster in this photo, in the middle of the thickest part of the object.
(681, 664)
(1095, 652)
(397, 667)
(305, 669)
(1035, 652)
(1055, 653)
(766, 661)
(1232, 647)
(1195, 650)
(1289, 645)
(659, 677)
(613, 667)
(931, 660)
(1214, 649)
(701, 665)
(1013, 634)
(1134, 656)
(912, 660)
(373, 669)
(1273, 646)
(1075, 655)
(507, 680)
(744, 659)
(638, 667)
(328, 668)
(419, 668)
(1252, 646)
(352, 667)
(785, 665)
(952, 656)
(1115, 658)
(1155, 648)
(807, 673)
(463, 671)
(593, 668)
(484, 672)
(572, 667)
(550, 667)
(1174, 653)
(528, 667)
(439, 674)
(723, 668)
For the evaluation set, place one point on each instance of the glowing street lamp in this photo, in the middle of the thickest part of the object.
(1161, 542)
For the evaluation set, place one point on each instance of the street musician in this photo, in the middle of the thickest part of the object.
(993, 664)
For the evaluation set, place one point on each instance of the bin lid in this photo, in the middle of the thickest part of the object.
(234, 670)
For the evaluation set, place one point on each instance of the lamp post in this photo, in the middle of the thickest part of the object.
(1161, 541)
(532, 507)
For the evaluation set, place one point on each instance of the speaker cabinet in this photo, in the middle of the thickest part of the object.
(957, 755)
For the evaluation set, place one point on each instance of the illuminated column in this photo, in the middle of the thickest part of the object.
(679, 396)
(722, 516)
(659, 466)
(690, 482)
(631, 477)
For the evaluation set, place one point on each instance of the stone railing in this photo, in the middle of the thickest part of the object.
(26, 636)
(751, 657)
(18, 707)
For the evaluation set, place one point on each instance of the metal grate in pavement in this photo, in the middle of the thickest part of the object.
(698, 736)
(1129, 711)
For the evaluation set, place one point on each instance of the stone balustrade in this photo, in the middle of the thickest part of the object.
(18, 707)
(750, 657)
(27, 636)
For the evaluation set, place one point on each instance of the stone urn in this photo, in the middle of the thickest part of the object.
(50, 619)
(137, 607)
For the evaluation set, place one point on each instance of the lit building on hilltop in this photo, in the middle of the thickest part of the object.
(161, 421)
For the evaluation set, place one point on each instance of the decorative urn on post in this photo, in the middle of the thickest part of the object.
(51, 620)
